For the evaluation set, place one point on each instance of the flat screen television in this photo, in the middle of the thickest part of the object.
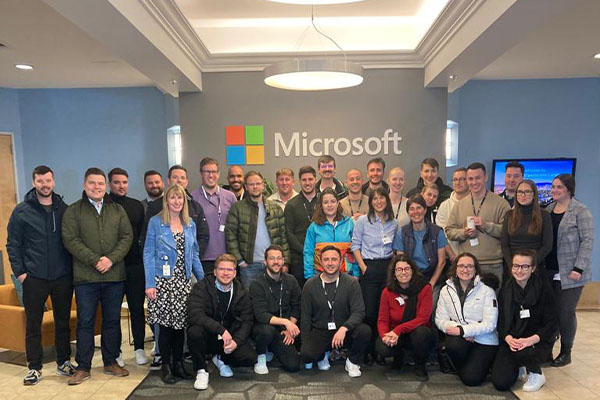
(540, 170)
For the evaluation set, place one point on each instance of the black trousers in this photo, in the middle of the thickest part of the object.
(208, 266)
(202, 342)
(318, 341)
(35, 294)
(372, 284)
(419, 341)
(472, 360)
(269, 336)
(135, 290)
(170, 342)
(505, 369)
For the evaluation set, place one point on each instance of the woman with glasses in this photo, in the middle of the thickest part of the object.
(404, 315)
(527, 322)
(569, 261)
(467, 313)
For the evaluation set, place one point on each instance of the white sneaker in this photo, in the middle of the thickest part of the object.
(352, 369)
(522, 374)
(153, 352)
(224, 369)
(534, 382)
(140, 357)
(261, 365)
(324, 365)
(120, 361)
(269, 356)
(201, 382)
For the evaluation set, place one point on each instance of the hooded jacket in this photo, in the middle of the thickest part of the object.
(444, 190)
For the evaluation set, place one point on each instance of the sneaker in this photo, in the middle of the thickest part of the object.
(224, 369)
(324, 365)
(201, 382)
(140, 357)
(120, 360)
(33, 377)
(66, 369)
(308, 366)
(522, 374)
(269, 356)
(78, 377)
(352, 369)
(534, 382)
(156, 363)
(261, 365)
(115, 370)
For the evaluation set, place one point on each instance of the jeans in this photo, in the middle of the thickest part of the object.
(505, 369)
(567, 303)
(250, 272)
(88, 295)
(269, 336)
(135, 290)
(318, 341)
(202, 342)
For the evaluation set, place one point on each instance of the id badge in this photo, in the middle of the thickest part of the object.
(474, 242)
(400, 300)
(524, 314)
(387, 240)
(331, 326)
(166, 270)
(221, 228)
(219, 337)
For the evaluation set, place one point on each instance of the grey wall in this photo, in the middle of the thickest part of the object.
(387, 99)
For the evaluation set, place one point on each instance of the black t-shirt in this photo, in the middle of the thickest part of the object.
(552, 259)
(47, 208)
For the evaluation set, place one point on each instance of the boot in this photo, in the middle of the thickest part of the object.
(563, 358)
(179, 371)
(166, 375)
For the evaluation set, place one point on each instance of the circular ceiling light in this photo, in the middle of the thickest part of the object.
(314, 74)
(25, 67)
(597, 56)
(315, 2)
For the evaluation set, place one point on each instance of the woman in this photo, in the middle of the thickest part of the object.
(404, 315)
(372, 248)
(569, 261)
(527, 226)
(430, 193)
(396, 183)
(527, 322)
(171, 254)
(467, 312)
(329, 227)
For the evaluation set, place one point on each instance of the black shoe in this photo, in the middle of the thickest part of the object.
(369, 359)
(421, 373)
(179, 371)
(562, 359)
(166, 375)
(445, 363)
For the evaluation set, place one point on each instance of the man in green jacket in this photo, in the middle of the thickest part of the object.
(253, 224)
(97, 232)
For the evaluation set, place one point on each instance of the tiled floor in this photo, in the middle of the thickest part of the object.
(580, 380)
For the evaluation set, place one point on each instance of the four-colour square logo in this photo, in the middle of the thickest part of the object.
(245, 145)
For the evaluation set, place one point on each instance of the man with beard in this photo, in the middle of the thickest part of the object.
(235, 177)
(513, 175)
(375, 171)
(326, 167)
(44, 267)
(461, 189)
(154, 185)
(430, 174)
(356, 203)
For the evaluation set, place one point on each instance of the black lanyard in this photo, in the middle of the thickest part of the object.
(280, 296)
(352, 209)
(228, 304)
(398, 209)
(476, 212)
(331, 303)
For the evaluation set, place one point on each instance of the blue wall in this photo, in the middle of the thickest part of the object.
(534, 119)
(10, 121)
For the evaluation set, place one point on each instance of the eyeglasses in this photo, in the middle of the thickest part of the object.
(522, 267)
(401, 270)
(465, 266)
(524, 192)
(225, 269)
(459, 179)
(207, 171)
(254, 184)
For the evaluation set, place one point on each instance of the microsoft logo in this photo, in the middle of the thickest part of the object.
(245, 145)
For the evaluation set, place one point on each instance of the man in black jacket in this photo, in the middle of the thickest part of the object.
(44, 267)
(276, 304)
(220, 318)
(429, 173)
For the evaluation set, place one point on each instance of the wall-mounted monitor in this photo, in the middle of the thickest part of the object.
(540, 170)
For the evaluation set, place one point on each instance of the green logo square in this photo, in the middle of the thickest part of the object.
(255, 134)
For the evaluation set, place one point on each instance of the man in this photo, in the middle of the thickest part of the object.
(154, 185)
(430, 174)
(118, 180)
(97, 232)
(216, 203)
(332, 316)
(42, 265)
(285, 187)
(513, 175)
(220, 318)
(235, 177)
(276, 304)
(356, 203)
(326, 167)
(253, 224)
(375, 171)
(461, 189)
(298, 216)
(476, 222)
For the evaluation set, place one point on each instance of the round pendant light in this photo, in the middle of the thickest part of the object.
(315, 2)
(313, 74)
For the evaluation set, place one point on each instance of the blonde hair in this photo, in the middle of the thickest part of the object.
(225, 257)
(184, 215)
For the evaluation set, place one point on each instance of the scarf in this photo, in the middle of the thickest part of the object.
(411, 297)
(462, 294)
(516, 299)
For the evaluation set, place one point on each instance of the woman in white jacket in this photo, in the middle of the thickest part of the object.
(467, 312)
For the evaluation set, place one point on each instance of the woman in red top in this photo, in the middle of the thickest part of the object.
(404, 315)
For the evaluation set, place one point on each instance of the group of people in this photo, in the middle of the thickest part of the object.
(353, 270)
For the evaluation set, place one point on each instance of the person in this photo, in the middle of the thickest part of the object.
(253, 224)
(220, 321)
(276, 304)
(527, 226)
(429, 173)
(215, 203)
(356, 203)
(298, 216)
(467, 313)
(332, 314)
(284, 178)
(513, 175)
(430, 193)
(527, 321)
(476, 222)
(372, 240)
(375, 173)
(569, 263)
(235, 178)
(403, 321)
(97, 233)
(118, 180)
(396, 183)
(171, 256)
(461, 190)
(43, 266)
(326, 168)
(154, 185)
(329, 227)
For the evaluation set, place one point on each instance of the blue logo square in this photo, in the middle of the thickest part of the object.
(236, 155)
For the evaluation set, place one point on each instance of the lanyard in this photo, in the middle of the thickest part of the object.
(308, 213)
(332, 302)
(352, 209)
(228, 304)
(218, 201)
(476, 212)
(398, 209)
(280, 296)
